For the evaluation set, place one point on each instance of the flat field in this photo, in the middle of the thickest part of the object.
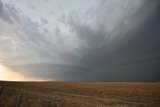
(79, 94)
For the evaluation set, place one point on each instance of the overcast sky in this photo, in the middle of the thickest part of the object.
(80, 40)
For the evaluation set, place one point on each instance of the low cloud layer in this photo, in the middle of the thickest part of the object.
(109, 40)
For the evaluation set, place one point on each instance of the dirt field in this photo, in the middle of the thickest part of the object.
(79, 94)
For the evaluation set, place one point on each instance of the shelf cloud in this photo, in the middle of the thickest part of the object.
(96, 40)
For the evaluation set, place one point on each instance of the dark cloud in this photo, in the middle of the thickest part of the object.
(112, 41)
(44, 21)
(129, 52)
(3, 13)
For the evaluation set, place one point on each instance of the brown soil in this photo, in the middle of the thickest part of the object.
(79, 94)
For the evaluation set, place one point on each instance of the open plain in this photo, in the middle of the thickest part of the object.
(79, 94)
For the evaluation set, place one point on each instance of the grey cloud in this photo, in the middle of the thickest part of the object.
(47, 1)
(35, 46)
(32, 45)
(53, 70)
(44, 21)
(52, 12)
(112, 41)
(121, 42)
(32, 6)
(3, 13)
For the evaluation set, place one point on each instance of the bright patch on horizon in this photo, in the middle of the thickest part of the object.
(7, 74)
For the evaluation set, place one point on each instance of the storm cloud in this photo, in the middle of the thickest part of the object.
(109, 40)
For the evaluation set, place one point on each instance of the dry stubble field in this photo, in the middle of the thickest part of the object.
(79, 94)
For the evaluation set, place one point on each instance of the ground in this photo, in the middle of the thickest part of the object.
(79, 94)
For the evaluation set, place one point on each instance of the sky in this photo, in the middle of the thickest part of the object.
(80, 40)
